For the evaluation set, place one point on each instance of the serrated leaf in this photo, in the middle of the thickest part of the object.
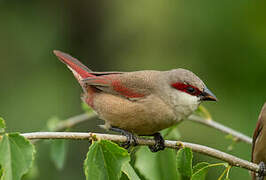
(86, 108)
(2, 125)
(105, 160)
(58, 152)
(184, 162)
(130, 172)
(17, 154)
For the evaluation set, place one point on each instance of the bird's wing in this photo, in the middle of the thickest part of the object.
(256, 133)
(119, 83)
(129, 85)
(259, 126)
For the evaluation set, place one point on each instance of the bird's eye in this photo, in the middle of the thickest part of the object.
(190, 90)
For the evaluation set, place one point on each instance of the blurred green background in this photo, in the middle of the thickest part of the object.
(223, 42)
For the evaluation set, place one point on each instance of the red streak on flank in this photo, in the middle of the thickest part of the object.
(125, 91)
(183, 87)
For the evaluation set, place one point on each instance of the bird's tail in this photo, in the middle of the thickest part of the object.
(79, 70)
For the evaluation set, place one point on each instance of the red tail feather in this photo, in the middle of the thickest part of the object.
(74, 64)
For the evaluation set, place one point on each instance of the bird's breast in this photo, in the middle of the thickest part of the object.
(144, 116)
(183, 104)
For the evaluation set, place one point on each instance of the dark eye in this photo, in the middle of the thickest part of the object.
(190, 90)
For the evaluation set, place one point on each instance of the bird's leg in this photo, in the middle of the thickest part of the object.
(131, 139)
(261, 170)
(159, 143)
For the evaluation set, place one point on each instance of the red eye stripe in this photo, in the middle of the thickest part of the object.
(186, 88)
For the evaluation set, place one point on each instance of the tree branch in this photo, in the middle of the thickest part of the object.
(230, 159)
(239, 136)
(71, 122)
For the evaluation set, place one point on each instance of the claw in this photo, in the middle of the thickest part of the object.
(159, 143)
(261, 171)
(131, 139)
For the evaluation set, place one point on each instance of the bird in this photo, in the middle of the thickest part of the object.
(258, 154)
(141, 102)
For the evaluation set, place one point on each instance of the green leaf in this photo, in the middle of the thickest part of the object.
(184, 162)
(34, 173)
(133, 158)
(86, 108)
(124, 176)
(156, 166)
(105, 160)
(199, 166)
(200, 171)
(200, 174)
(1, 172)
(130, 172)
(2, 125)
(17, 154)
(58, 152)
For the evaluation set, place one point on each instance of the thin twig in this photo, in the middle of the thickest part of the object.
(72, 121)
(230, 159)
(220, 127)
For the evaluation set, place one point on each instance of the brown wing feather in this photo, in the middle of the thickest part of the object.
(111, 84)
(130, 85)
(258, 128)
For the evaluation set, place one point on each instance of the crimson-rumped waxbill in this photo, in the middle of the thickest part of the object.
(259, 144)
(140, 102)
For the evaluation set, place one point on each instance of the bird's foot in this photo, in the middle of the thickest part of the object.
(159, 143)
(262, 169)
(131, 139)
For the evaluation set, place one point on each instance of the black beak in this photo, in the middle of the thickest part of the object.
(207, 95)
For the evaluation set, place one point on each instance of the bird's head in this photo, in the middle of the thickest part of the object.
(187, 82)
(184, 91)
